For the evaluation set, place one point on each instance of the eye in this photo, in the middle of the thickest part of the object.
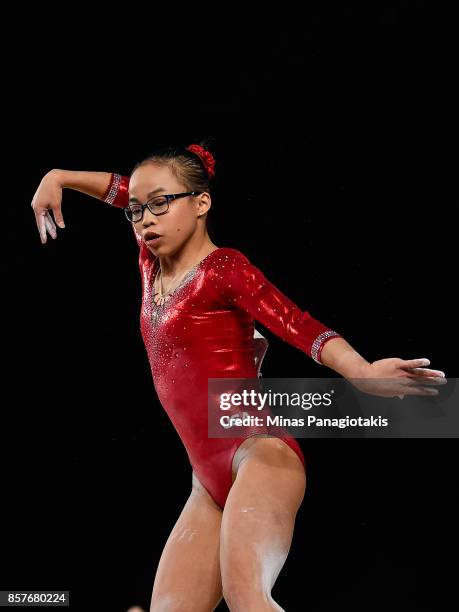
(158, 201)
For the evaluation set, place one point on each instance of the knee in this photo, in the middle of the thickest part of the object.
(168, 603)
(243, 601)
(241, 596)
(180, 603)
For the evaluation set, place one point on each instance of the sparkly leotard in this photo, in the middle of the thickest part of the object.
(206, 330)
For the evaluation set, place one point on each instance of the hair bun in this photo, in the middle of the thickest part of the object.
(206, 157)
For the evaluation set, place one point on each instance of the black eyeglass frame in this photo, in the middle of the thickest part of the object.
(169, 197)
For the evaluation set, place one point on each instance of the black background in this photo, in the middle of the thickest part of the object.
(334, 140)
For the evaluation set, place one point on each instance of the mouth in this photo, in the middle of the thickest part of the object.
(151, 237)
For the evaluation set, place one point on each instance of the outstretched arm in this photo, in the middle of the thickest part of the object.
(243, 285)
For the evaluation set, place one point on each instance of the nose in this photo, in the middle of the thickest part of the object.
(148, 217)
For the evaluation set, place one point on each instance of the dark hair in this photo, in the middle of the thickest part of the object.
(187, 166)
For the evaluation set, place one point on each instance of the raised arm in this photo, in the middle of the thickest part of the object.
(109, 187)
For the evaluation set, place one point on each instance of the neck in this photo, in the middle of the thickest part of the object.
(188, 256)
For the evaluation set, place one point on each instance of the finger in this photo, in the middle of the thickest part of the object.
(40, 219)
(420, 391)
(414, 363)
(50, 223)
(429, 380)
(407, 381)
(50, 226)
(418, 381)
(58, 218)
(426, 372)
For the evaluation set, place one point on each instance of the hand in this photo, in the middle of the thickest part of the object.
(396, 377)
(48, 197)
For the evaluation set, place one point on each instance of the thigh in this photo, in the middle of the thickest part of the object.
(259, 514)
(188, 574)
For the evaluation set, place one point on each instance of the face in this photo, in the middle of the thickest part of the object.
(182, 221)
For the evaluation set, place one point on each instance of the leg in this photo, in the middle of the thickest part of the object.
(188, 575)
(258, 522)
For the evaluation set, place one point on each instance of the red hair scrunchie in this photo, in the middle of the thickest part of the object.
(206, 157)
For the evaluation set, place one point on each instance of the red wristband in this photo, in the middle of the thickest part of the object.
(117, 193)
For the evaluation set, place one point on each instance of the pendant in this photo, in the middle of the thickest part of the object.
(158, 307)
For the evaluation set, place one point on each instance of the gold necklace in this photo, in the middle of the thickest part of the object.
(164, 295)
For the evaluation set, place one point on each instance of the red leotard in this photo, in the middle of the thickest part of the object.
(206, 330)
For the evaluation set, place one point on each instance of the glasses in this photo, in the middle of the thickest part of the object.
(158, 205)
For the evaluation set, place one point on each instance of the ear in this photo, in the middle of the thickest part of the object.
(203, 203)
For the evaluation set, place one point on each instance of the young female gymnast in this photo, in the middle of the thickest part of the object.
(199, 304)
